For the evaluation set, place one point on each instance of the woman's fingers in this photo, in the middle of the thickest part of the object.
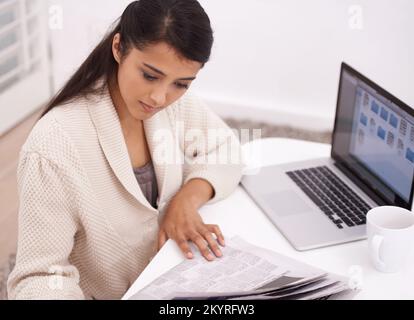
(179, 239)
(213, 228)
(212, 243)
(204, 239)
(185, 248)
(203, 246)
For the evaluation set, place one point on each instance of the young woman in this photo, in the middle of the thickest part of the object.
(98, 192)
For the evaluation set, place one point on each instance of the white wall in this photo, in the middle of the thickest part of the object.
(279, 57)
(84, 23)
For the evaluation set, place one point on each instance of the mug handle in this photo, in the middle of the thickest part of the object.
(376, 243)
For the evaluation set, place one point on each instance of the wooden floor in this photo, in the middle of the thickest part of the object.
(10, 144)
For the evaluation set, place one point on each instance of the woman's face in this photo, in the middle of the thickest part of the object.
(152, 79)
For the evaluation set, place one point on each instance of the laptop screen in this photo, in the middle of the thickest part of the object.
(374, 139)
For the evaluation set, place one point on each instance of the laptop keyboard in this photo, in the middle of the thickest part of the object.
(336, 200)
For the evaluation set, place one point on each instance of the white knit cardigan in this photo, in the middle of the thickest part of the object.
(86, 231)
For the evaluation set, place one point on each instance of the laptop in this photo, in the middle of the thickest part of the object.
(323, 202)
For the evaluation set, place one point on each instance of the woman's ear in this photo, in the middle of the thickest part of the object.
(116, 48)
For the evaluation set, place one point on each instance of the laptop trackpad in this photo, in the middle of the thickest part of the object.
(286, 203)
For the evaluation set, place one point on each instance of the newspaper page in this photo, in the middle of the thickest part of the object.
(243, 269)
(301, 281)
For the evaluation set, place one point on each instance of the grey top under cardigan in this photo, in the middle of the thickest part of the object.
(148, 182)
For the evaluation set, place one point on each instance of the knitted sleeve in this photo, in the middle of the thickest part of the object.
(211, 149)
(47, 228)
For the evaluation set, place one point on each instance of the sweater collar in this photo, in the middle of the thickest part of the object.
(112, 141)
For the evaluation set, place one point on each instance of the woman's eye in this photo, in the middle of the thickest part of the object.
(181, 85)
(148, 77)
(152, 79)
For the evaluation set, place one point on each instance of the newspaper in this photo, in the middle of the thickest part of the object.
(244, 272)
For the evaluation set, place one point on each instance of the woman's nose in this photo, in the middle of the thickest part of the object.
(158, 97)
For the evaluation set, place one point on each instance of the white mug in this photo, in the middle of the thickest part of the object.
(390, 233)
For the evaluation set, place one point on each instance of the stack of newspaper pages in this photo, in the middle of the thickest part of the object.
(246, 272)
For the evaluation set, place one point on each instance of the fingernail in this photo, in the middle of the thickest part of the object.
(218, 253)
(210, 257)
(189, 255)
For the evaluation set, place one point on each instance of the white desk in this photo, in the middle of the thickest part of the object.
(239, 215)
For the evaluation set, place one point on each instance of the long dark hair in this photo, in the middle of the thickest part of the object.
(182, 24)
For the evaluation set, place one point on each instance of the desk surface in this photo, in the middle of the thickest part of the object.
(239, 215)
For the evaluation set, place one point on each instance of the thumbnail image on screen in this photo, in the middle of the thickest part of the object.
(383, 141)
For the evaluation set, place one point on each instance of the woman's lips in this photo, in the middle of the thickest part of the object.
(148, 108)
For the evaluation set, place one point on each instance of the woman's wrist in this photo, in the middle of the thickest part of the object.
(196, 192)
